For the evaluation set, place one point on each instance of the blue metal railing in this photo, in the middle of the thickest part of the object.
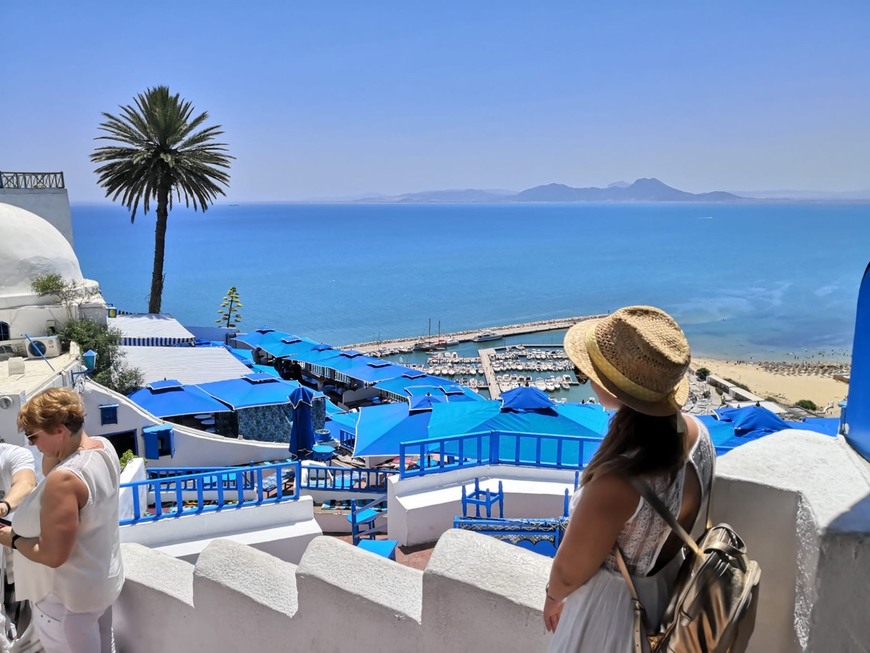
(495, 448)
(212, 490)
(346, 479)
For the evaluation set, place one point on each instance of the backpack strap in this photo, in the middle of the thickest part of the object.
(641, 626)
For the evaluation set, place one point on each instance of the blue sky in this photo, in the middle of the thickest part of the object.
(333, 99)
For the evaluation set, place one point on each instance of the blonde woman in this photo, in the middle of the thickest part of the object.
(636, 360)
(65, 533)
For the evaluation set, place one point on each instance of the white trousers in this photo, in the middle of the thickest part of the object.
(62, 631)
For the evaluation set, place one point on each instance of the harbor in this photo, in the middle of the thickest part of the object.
(443, 340)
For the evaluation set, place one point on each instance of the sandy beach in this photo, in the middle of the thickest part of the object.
(786, 383)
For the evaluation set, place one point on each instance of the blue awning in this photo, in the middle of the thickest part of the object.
(314, 354)
(380, 429)
(376, 370)
(447, 392)
(172, 399)
(261, 336)
(398, 384)
(251, 390)
(287, 346)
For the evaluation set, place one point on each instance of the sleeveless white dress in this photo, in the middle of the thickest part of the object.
(598, 616)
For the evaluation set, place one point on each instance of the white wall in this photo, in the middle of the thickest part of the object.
(283, 529)
(193, 448)
(422, 508)
(338, 598)
(50, 204)
(800, 500)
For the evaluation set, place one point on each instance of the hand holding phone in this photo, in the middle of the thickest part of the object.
(5, 522)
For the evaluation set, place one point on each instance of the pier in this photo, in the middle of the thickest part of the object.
(489, 373)
(406, 344)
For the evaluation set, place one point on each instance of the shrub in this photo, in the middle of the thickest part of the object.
(702, 373)
(807, 404)
(126, 457)
(110, 370)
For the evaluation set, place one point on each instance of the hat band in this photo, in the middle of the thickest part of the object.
(616, 377)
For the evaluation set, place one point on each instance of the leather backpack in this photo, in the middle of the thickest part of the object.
(715, 596)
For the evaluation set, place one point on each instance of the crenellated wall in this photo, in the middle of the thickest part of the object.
(338, 598)
(801, 501)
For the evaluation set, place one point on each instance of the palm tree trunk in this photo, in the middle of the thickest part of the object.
(156, 297)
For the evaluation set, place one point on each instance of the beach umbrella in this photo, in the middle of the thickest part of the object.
(302, 431)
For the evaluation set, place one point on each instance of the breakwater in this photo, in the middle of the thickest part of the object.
(383, 347)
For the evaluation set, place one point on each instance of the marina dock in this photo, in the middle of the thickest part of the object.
(380, 347)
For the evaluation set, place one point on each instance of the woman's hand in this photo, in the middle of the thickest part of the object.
(552, 613)
(6, 536)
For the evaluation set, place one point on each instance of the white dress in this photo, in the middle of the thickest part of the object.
(598, 616)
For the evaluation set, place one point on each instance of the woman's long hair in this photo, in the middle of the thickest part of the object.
(640, 445)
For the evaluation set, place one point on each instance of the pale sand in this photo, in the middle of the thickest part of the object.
(780, 382)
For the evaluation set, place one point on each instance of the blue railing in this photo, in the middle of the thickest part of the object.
(495, 448)
(212, 490)
(346, 479)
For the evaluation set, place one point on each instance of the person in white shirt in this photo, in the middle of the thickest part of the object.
(65, 533)
(17, 476)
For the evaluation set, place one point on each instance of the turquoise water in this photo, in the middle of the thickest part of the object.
(764, 280)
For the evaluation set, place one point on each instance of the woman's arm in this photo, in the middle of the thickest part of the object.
(63, 497)
(604, 507)
(23, 482)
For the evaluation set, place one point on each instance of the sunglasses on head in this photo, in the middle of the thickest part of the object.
(581, 378)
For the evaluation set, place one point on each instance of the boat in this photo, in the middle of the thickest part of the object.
(486, 336)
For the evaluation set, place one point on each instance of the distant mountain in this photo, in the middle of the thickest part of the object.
(642, 190)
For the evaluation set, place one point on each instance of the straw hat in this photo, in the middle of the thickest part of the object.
(638, 354)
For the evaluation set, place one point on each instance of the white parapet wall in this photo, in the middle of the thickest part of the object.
(801, 501)
(282, 529)
(421, 508)
(339, 598)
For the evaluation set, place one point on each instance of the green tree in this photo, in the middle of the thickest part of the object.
(807, 404)
(110, 369)
(70, 293)
(161, 150)
(702, 373)
(229, 310)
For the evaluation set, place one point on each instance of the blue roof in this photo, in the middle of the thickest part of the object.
(376, 370)
(251, 390)
(260, 336)
(380, 429)
(315, 354)
(410, 379)
(287, 346)
(479, 416)
(448, 392)
(171, 399)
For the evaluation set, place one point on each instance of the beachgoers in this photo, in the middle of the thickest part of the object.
(65, 533)
(636, 360)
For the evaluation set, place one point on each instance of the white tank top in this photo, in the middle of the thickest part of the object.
(92, 578)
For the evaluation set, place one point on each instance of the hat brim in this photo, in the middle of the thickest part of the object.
(575, 348)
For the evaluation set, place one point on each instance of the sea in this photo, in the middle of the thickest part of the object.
(766, 280)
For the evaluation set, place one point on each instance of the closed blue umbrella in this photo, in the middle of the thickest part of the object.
(302, 431)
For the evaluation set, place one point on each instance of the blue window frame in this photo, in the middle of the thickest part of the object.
(108, 414)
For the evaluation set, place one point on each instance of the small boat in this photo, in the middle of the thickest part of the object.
(486, 336)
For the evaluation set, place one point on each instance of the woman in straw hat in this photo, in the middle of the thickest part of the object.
(636, 360)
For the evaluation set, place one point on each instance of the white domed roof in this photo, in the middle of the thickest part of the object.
(31, 247)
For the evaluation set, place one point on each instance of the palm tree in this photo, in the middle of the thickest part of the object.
(159, 150)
